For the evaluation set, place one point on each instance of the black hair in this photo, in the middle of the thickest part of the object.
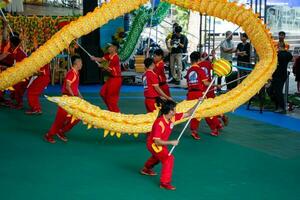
(195, 56)
(16, 34)
(148, 62)
(116, 44)
(244, 35)
(15, 41)
(281, 33)
(178, 29)
(74, 58)
(175, 24)
(159, 52)
(101, 53)
(165, 106)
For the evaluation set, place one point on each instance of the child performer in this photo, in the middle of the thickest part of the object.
(160, 71)
(152, 91)
(62, 122)
(36, 88)
(157, 142)
(198, 81)
(110, 91)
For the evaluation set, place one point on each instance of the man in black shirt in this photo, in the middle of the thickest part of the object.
(243, 51)
(178, 43)
(279, 77)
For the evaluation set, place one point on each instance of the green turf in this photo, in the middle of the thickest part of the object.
(250, 160)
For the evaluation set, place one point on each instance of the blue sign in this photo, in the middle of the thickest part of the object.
(291, 3)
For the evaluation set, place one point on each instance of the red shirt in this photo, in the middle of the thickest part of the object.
(113, 64)
(5, 46)
(195, 78)
(150, 78)
(162, 128)
(8, 61)
(73, 78)
(16, 55)
(206, 66)
(160, 71)
(45, 70)
(19, 54)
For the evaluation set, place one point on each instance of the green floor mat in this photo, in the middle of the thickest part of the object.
(249, 160)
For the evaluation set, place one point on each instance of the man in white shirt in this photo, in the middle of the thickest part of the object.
(227, 50)
(227, 47)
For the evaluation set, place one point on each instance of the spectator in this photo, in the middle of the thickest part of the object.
(279, 78)
(281, 44)
(243, 51)
(168, 45)
(168, 38)
(178, 42)
(296, 71)
(227, 49)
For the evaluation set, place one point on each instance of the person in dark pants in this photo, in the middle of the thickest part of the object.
(169, 47)
(178, 42)
(296, 72)
(279, 77)
(243, 52)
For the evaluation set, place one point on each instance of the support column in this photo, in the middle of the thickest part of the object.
(90, 72)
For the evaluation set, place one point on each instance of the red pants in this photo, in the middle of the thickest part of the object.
(19, 91)
(211, 94)
(150, 104)
(166, 161)
(213, 122)
(110, 93)
(35, 90)
(62, 123)
(165, 88)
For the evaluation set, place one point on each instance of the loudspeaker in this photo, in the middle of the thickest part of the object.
(90, 73)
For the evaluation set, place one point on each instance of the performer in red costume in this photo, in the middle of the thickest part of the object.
(62, 122)
(152, 91)
(206, 65)
(198, 81)
(110, 91)
(6, 57)
(18, 55)
(36, 88)
(158, 140)
(160, 71)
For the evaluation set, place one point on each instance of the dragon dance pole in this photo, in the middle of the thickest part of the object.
(90, 55)
(10, 29)
(200, 101)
